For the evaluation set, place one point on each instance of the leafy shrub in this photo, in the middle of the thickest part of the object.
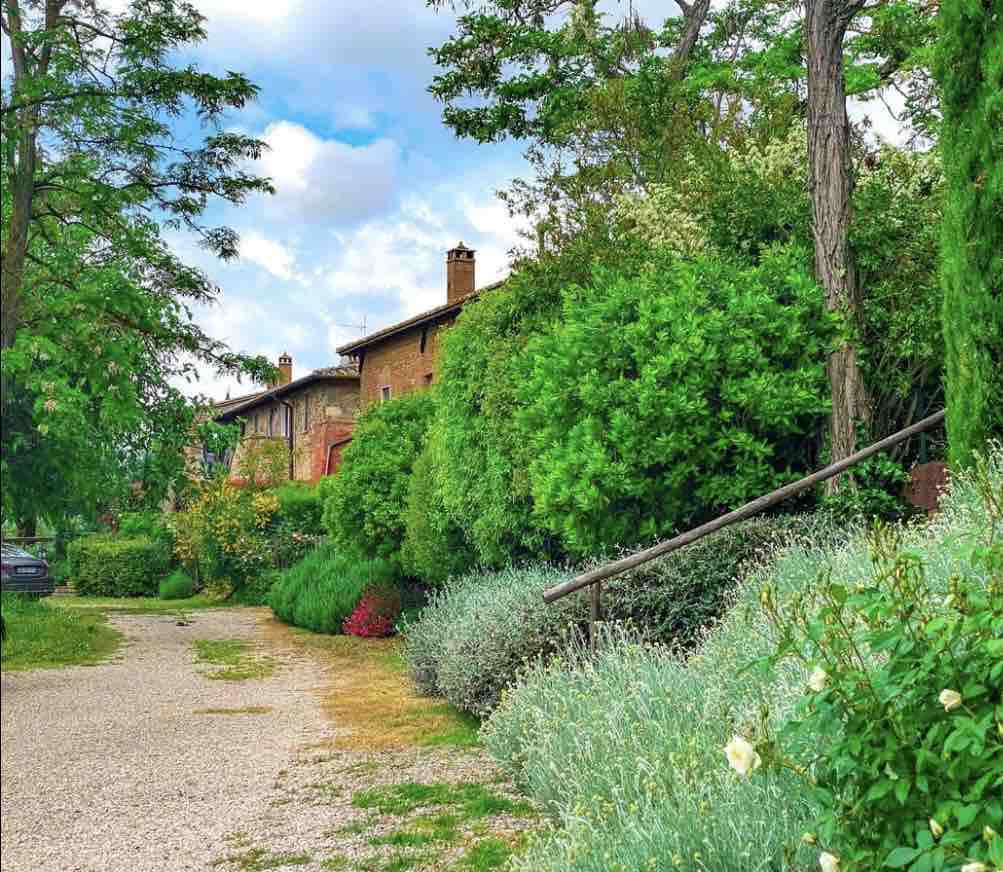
(676, 598)
(481, 477)
(177, 586)
(434, 545)
(364, 503)
(110, 565)
(477, 632)
(223, 536)
(151, 524)
(665, 397)
(256, 590)
(906, 694)
(301, 508)
(877, 494)
(320, 592)
(376, 614)
(627, 749)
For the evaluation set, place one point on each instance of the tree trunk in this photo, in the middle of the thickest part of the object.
(831, 187)
(695, 14)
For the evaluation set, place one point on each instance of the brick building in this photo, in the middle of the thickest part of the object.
(403, 357)
(314, 415)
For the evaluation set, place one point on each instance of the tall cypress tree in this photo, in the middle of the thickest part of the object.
(971, 77)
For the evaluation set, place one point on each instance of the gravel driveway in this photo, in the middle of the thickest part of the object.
(143, 764)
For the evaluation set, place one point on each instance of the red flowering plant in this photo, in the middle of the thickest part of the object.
(375, 617)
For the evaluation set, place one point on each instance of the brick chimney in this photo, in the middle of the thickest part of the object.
(460, 264)
(285, 368)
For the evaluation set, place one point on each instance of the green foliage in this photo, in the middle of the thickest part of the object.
(97, 328)
(39, 635)
(117, 566)
(177, 586)
(905, 778)
(660, 398)
(222, 537)
(742, 199)
(970, 66)
(877, 493)
(301, 508)
(434, 546)
(365, 503)
(320, 592)
(676, 598)
(477, 632)
(482, 452)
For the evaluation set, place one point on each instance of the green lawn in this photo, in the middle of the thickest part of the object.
(137, 605)
(41, 635)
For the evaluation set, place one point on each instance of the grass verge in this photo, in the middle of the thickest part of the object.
(232, 660)
(42, 636)
(373, 701)
(138, 605)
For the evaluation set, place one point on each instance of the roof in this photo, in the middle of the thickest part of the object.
(330, 373)
(223, 405)
(436, 314)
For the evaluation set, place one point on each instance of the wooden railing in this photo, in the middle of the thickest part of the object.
(596, 577)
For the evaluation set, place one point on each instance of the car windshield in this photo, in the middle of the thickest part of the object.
(12, 551)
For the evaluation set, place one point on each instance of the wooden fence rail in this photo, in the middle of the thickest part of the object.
(597, 576)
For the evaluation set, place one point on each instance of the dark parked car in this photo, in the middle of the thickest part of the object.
(22, 573)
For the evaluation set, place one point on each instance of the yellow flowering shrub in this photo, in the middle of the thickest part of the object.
(223, 535)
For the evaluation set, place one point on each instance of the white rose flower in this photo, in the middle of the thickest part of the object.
(742, 756)
(936, 829)
(975, 867)
(829, 862)
(989, 833)
(950, 700)
(818, 679)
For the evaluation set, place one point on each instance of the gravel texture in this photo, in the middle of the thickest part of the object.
(144, 764)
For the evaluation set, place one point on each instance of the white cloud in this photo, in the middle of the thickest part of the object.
(270, 255)
(254, 11)
(351, 117)
(326, 180)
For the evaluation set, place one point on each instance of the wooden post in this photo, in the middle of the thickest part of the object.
(596, 616)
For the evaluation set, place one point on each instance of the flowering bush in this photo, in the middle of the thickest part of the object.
(376, 614)
(223, 536)
(901, 733)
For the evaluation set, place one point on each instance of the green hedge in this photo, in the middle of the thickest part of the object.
(108, 565)
(364, 504)
(177, 586)
(301, 508)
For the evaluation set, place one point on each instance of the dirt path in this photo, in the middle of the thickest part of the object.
(149, 763)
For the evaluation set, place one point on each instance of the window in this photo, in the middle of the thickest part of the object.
(271, 422)
(385, 393)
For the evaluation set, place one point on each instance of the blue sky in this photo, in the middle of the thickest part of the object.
(372, 188)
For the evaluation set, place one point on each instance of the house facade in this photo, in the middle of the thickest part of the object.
(403, 357)
(312, 418)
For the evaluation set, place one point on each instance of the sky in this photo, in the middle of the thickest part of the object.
(372, 188)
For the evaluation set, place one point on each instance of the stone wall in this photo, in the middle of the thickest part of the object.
(322, 413)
